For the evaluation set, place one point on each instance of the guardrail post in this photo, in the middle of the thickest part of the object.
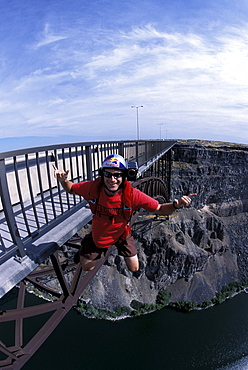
(137, 152)
(8, 211)
(168, 154)
(88, 162)
(146, 151)
(121, 149)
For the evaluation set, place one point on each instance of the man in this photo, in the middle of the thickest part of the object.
(112, 201)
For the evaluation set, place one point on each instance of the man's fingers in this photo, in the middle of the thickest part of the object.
(185, 200)
(192, 195)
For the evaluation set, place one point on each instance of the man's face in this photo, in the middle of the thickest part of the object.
(112, 178)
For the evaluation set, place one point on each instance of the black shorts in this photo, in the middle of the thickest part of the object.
(90, 251)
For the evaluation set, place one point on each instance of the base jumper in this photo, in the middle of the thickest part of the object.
(112, 200)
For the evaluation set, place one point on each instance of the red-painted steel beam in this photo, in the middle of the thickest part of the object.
(18, 355)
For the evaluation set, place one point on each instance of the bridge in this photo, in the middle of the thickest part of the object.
(37, 218)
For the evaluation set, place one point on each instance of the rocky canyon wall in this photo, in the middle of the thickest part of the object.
(196, 251)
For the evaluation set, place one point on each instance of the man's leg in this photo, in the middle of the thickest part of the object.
(89, 253)
(126, 248)
(87, 265)
(132, 263)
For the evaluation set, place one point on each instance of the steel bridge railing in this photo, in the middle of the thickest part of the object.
(32, 201)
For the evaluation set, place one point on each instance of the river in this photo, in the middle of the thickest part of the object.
(216, 338)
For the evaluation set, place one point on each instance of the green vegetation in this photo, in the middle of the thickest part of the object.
(142, 308)
(184, 306)
(229, 290)
(136, 308)
(163, 300)
(88, 310)
(226, 292)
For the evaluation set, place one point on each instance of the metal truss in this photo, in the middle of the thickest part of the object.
(18, 354)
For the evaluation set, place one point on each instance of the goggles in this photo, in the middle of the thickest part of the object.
(116, 175)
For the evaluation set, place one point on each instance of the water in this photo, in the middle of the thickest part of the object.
(216, 338)
(15, 143)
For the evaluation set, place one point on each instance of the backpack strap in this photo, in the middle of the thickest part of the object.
(94, 193)
(127, 199)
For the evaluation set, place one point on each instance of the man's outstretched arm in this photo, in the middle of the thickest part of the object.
(167, 209)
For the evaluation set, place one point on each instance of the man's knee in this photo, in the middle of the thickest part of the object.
(87, 265)
(132, 263)
(133, 268)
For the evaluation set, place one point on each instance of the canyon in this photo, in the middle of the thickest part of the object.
(197, 250)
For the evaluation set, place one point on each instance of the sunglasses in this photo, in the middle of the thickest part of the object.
(116, 175)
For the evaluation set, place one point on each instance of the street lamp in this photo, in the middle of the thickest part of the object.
(160, 124)
(137, 119)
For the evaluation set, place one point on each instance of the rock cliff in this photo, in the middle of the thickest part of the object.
(196, 251)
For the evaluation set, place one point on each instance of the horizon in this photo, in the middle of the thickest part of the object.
(16, 143)
(76, 68)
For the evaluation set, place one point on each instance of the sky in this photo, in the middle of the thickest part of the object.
(70, 70)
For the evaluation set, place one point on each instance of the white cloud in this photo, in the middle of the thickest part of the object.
(190, 79)
(48, 37)
(190, 63)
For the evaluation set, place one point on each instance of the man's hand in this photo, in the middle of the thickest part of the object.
(60, 174)
(184, 201)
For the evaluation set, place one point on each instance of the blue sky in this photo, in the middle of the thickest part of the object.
(73, 69)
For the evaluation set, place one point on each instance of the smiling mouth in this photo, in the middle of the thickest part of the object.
(112, 188)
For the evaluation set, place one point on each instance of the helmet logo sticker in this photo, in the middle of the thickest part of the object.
(113, 161)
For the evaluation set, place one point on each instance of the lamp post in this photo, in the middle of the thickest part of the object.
(160, 124)
(137, 117)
